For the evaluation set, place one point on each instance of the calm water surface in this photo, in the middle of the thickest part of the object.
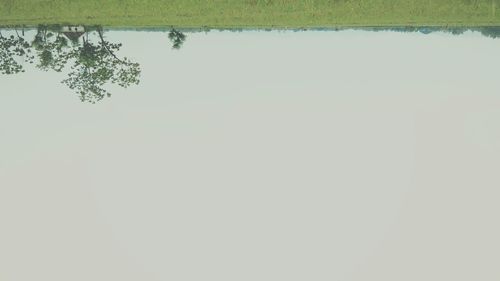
(318, 155)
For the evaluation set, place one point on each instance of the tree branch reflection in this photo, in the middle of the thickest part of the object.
(91, 61)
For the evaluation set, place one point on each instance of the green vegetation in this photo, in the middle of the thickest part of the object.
(91, 64)
(252, 13)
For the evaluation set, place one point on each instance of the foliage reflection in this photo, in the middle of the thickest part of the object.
(91, 61)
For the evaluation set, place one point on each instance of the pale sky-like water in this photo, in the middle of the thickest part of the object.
(259, 156)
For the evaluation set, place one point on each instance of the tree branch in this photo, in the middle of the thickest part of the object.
(106, 46)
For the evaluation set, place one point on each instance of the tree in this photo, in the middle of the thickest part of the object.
(92, 65)
(96, 64)
(12, 50)
(492, 32)
(51, 49)
(177, 38)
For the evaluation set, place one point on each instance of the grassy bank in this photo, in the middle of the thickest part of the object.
(252, 13)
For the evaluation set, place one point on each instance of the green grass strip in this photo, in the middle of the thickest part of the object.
(252, 13)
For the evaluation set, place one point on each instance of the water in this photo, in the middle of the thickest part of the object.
(281, 155)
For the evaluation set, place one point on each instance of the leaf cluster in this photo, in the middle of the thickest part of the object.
(92, 65)
(13, 50)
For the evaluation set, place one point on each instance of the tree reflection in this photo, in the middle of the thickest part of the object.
(92, 61)
(96, 64)
(51, 49)
(177, 38)
(14, 51)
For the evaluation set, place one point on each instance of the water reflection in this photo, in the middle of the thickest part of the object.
(92, 61)
(177, 38)
(488, 31)
(12, 49)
